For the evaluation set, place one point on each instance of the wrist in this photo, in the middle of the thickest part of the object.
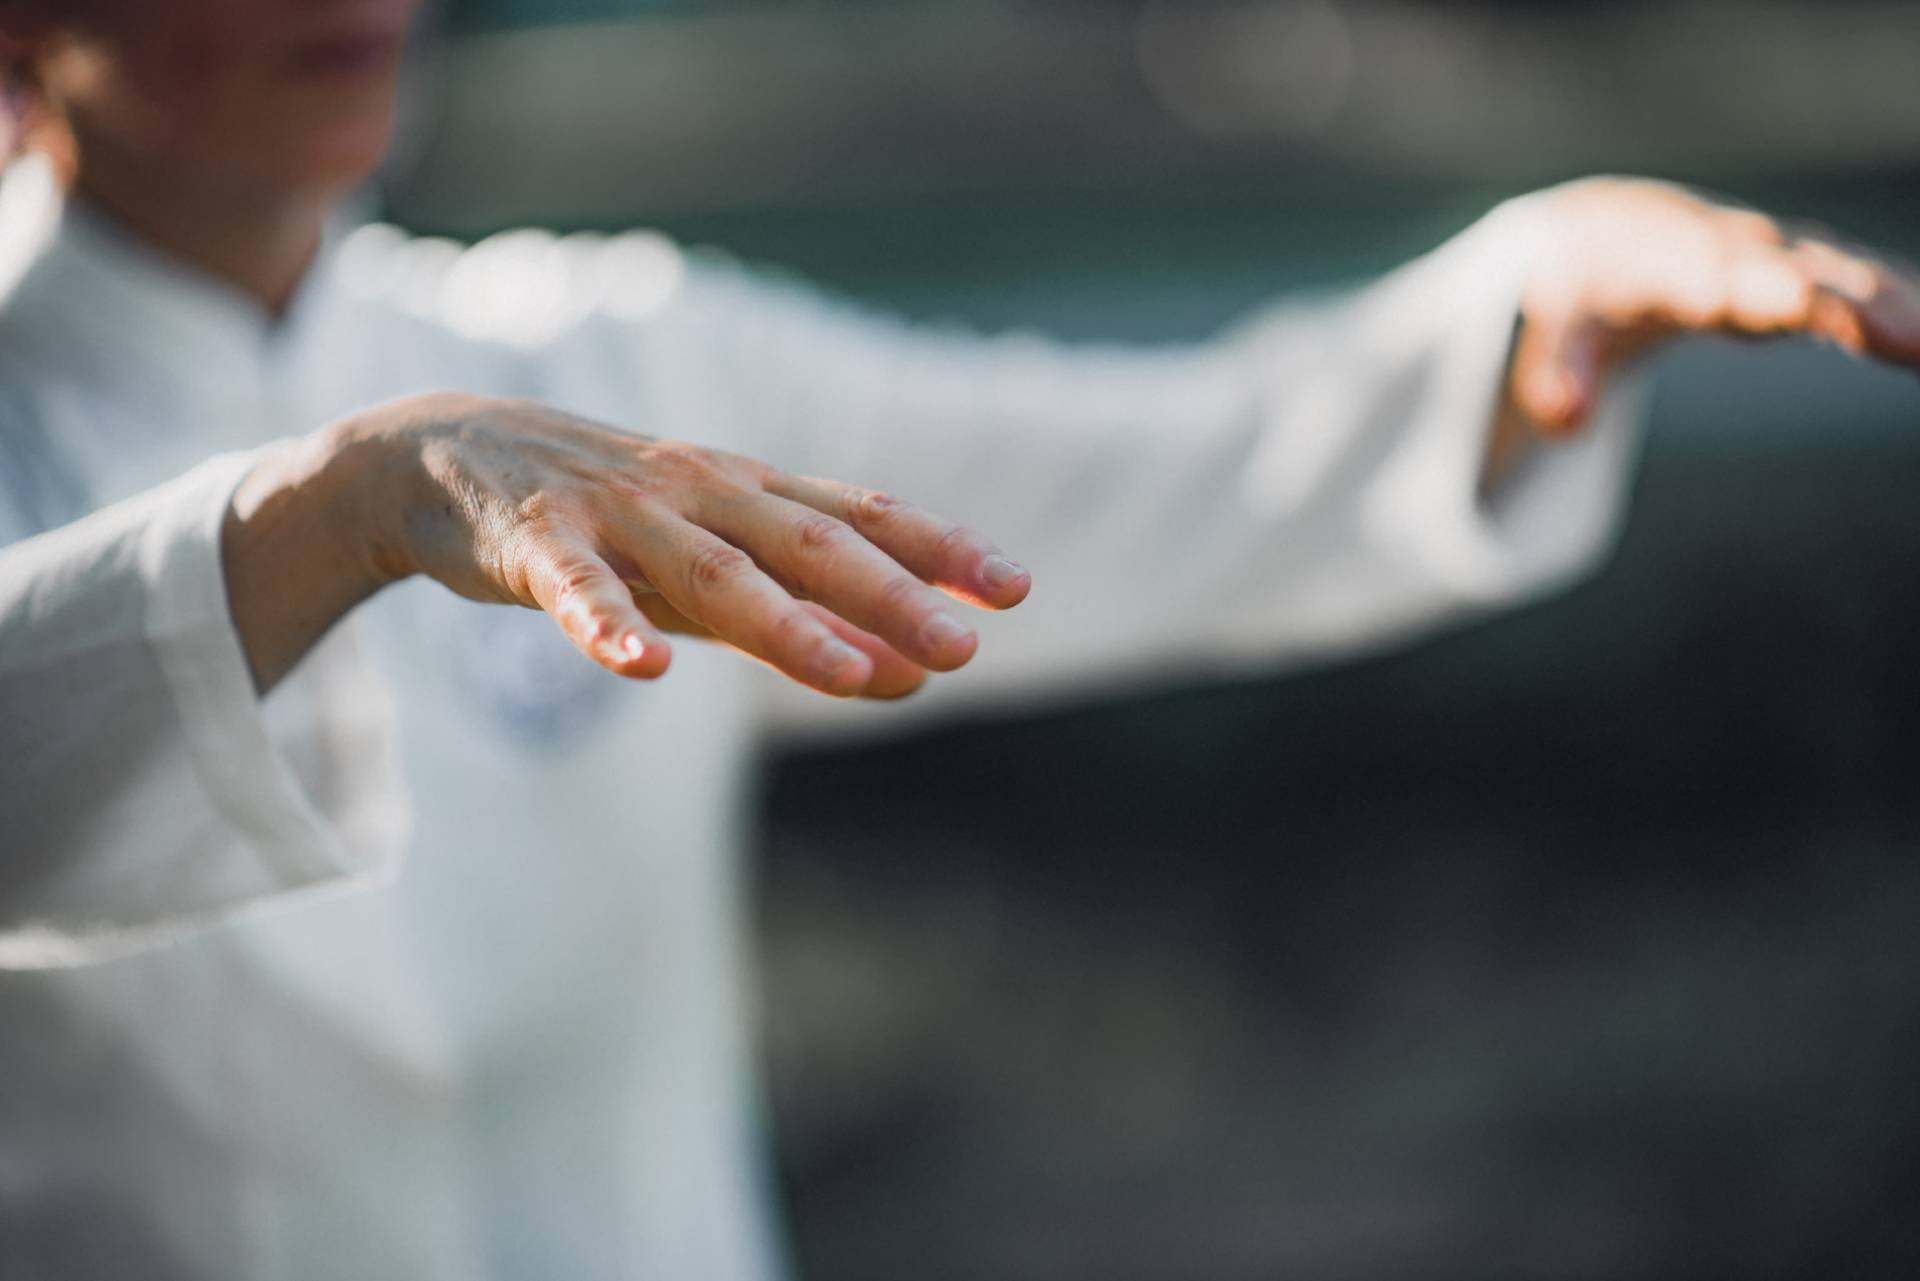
(360, 469)
(295, 550)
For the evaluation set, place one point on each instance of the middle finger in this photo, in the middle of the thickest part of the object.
(949, 556)
(820, 558)
(717, 586)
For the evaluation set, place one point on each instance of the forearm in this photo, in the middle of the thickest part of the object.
(296, 547)
(1333, 475)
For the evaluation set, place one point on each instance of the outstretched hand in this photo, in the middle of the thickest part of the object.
(620, 538)
(1627, 264)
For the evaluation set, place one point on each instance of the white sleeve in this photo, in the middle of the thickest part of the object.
(1305, 486)
(144, 788)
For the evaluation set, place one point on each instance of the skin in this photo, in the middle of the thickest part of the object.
(223, 131)
(619, 537)
(1629, 265)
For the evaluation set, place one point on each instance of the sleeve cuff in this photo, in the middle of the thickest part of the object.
(190, 627)
(1560, 512)
(231, 821)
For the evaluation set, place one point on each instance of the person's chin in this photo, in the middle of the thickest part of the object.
(340, 157)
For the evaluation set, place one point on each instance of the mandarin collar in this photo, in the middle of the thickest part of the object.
(102, 306)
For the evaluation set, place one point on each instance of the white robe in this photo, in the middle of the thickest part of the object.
(430, 965)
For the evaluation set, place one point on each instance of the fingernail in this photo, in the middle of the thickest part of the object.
(632, 646)
(998, 571)
(835, 656)
(943, 631)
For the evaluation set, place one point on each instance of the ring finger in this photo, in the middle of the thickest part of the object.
(820, 558)
(716, 585)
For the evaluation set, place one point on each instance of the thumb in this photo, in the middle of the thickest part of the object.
(1559, 365)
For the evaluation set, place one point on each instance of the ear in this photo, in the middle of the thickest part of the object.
(26, 122)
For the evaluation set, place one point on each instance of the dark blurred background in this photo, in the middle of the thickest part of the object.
(1585, 942)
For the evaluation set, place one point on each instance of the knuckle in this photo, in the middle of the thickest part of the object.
(573, 584)
(901, 592)
(717, 567)
(817, 532)
(671, 464)
(791, 632)
(870, 507)
(636, 486)
(739, 466)
(957, 539)
(542, 508)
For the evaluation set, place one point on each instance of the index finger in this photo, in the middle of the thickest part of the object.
(952, 557)
(594, 608)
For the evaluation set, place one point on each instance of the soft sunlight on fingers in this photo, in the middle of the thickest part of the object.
(1853, 277)
(598, 616)
(817, 556)
(1836, 318)
(1767, 293)
(958, 561)
(894, 674)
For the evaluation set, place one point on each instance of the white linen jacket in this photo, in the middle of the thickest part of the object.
(430, 964)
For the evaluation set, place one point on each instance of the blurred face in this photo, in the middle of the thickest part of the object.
(277, 94)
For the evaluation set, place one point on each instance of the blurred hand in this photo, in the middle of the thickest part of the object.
(1630, 263)
(619, 537)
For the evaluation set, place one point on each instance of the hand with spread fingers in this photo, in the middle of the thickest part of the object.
(620, 537)
(1626, 264)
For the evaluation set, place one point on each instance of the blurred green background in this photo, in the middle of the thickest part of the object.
(1582, 943)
